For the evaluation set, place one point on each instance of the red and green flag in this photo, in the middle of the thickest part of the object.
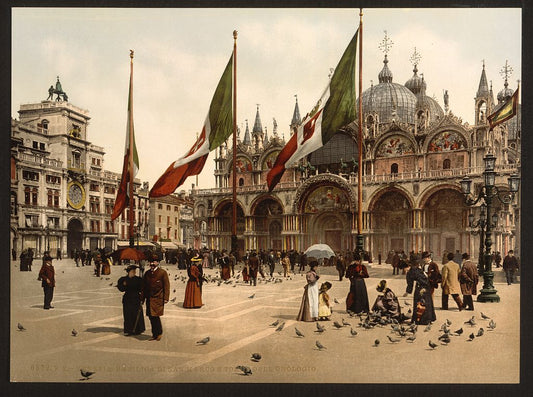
(131, 158)
(505, 112)
(334, 109)
(218, 126)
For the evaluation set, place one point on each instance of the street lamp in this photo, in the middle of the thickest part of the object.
(487, 222)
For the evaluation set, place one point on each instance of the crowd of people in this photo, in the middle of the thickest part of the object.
(457, 277)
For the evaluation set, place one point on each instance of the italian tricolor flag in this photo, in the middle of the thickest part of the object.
(218, 126)
(131, 158)
(334, 109)
(505, 112)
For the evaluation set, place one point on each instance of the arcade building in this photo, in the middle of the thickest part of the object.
(415, 152)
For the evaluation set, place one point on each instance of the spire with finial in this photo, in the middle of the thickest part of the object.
(415, 83)
(258, 128)
(265, 138)
(275, 129)
(246, 140)
(296, 119)
(446, 101)
(385, 76)
(483, 89)
(507, 92)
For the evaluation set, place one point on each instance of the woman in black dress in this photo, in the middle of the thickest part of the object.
(132, 310)
(422, 301)
(357, 299)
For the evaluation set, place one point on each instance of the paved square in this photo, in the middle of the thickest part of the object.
(239, 326)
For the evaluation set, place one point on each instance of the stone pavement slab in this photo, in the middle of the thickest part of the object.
(239, 326)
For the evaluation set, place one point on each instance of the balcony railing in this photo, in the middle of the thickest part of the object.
(452, 173)
(41, 160)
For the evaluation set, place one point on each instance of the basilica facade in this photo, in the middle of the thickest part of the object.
(415, 153)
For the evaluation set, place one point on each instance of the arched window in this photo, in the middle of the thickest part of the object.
(241, 181)
(446, 164)
(394, 168)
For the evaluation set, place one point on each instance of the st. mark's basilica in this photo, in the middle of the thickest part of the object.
(415, 154)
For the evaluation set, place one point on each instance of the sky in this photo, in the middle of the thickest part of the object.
(180, 55)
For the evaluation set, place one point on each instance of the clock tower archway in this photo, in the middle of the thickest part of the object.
(75, 235)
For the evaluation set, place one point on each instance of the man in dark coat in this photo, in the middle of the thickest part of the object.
(48, 281)
(303, 262)
(510, 266)
(340, 266)
(156, 292)
(468, 278)
(253, 264)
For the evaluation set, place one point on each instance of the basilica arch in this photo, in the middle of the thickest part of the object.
(326, 204)
(391, 218)
(220, 226)
(445, 221)
(265, 224)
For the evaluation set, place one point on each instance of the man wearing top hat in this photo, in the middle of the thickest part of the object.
(156, 292)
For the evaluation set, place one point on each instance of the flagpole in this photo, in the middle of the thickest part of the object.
(234, 167)
(359, 240)
(130, 151)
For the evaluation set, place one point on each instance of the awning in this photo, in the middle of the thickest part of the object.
(168, 245)
(126, 243)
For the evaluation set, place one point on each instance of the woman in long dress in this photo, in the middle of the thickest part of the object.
(422, 299)
(357, 299)
(387, 303)
(309, 306)
(132, 310)
(193, 289)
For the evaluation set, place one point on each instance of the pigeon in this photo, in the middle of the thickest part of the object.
(245, 370)
(376, 343)
(280, 327)
(337, 325)
(252, 296)
(107, 278)
(459, 331)
(319, 328)
(448, 322)
(407, 303)
(409, 311)
(411, 338)
(471, 337)
(335, 300)
(256, 357)
(275, 323)
(472, 322)
(174, 290)
(484, 316)
(445, 338)
(319, 345)
(480, 332)
(74, 332)
(428, 328)
(432, 345)
(110, 284)
(345, 323)
(20, 327)
(204, 341)
(353, 332)
(173, 300)
(392, 340)
(298, 332)
(86, 374)
(492, 325)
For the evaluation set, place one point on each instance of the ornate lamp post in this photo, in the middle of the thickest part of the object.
(487, 222)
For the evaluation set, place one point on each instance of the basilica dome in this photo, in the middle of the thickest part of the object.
(391, 101)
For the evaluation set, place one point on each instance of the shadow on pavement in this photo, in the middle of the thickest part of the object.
(105, 329)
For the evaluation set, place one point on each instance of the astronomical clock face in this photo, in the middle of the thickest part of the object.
(76, 195)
